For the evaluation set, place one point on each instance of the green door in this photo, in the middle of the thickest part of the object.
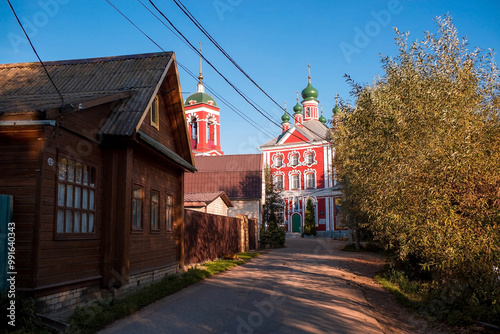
(296, 223)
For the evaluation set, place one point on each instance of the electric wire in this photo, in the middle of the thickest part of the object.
(213, 67)
(238, 112)
(221, 49)
(36, 53)
(193, 19)
(184, 39)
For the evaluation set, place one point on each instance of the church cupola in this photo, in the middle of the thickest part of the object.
(310, 102)
(322, 118)
(285, 124)
(202, 115)
(297, 115)
(335, 112)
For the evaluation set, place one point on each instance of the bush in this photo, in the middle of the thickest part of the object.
(274, 236)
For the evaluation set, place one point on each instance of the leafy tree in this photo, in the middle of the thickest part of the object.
(421, 152)
(310, 219)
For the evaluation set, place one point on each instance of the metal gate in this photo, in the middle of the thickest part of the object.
(6, 204)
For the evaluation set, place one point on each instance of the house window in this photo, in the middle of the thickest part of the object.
(137, 199)
(76, 191)
(278, 182)
(309, 158)
(155, 206)
(155, 113)
(278, 161)
(294, 182)
(311, 181)
(294, 160)
(169, 212)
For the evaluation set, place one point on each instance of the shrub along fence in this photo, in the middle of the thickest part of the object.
(207, 236)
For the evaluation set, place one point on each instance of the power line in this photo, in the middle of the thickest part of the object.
(217, 45)
(186, 41)
(238, 112)
(213, 67)
(36, 53)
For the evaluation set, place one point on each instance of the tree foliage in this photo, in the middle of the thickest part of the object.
(310, 219)
(272, 232)
(420, 151)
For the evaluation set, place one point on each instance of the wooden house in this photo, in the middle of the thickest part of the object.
(216, 203)
(96, 171)
(239, 176)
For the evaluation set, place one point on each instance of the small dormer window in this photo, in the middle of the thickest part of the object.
(211, 103)
(155, 113)
(192, 102)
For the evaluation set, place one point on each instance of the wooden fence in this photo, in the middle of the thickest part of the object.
(207, 236)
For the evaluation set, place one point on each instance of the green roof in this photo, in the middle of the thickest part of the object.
(309, 93)
(322, 119)
(200, 97)
(297, 108)
(285, 118)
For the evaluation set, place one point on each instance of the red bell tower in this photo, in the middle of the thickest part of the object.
(202, 116)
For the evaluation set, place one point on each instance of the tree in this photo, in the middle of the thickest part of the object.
(421, 151)
(310, 219)
(271, 232)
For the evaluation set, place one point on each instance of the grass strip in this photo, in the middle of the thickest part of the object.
(90, 319)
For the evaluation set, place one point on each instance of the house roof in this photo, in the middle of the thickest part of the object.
(195, 199)
(239, 176)
(313, 130)
(26, 87)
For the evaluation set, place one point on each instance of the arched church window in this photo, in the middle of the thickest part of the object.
(194, 128)
(310, 181)
(294, 160)
(278, 161)
(308, 112)
(309, 158)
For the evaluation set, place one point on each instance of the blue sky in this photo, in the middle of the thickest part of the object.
(273, 41)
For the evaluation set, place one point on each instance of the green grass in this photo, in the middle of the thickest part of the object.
(92, 318)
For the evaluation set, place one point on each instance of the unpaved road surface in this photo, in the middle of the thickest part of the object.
(308, 287)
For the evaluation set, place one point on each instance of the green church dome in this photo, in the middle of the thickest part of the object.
(298, 108)
(285, 118)
(309, 93)
(336, 110)
(200, 97)
(322, 119)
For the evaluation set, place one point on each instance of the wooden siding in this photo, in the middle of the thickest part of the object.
(151, 249)
(19, 171)
(172, 131)
(62, 259)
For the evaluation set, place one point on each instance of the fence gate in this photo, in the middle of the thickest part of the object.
(6, 204)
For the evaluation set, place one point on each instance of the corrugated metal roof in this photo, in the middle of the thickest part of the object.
(207, 198)
(229, 163)
(239, 176)
(26, 87)
(313, 130)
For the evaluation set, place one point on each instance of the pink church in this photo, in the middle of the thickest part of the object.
(203, 119)
(300, 159)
